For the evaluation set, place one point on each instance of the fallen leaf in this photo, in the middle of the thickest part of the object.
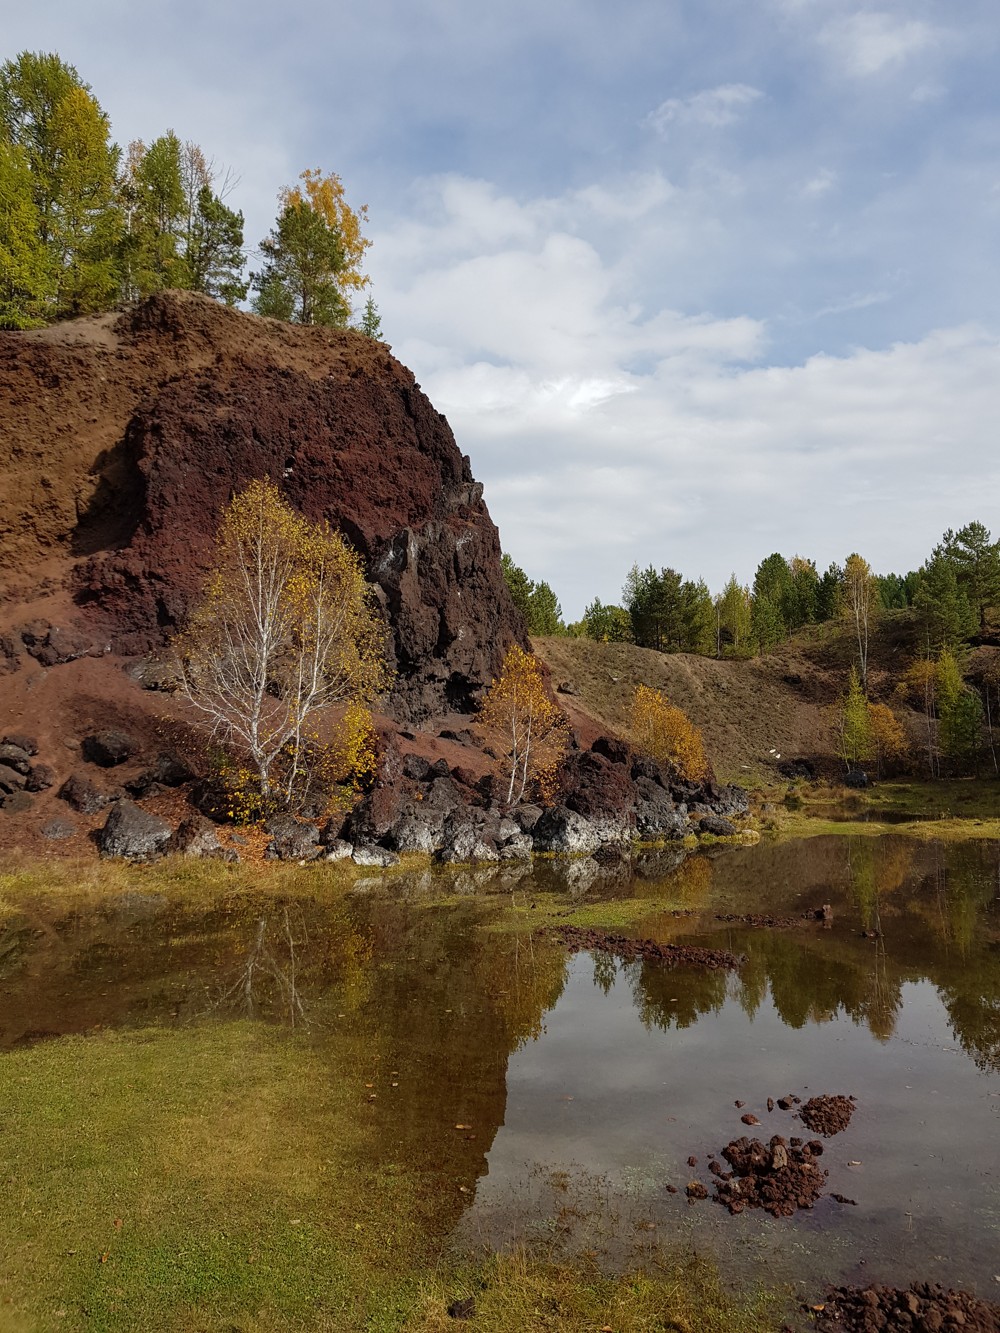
(463, 1126)
(118, 1224)
(853, 1163)
(105, 1256)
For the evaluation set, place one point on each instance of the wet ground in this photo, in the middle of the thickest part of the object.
(568, 1099)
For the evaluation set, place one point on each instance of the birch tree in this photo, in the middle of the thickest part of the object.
(282, 633)
(525, 729)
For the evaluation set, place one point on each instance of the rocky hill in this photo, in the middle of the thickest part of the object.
(124, 436)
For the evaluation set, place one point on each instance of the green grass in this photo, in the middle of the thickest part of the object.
(225, 1178)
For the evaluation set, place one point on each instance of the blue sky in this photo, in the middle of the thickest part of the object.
(693, 282)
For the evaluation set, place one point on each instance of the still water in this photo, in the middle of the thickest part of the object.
(550, 1099)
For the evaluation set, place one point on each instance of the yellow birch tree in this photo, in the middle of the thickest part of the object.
(283, 632)
(526, 730)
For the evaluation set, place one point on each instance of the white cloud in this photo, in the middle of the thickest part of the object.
(820, 184)
(713, 108)
(870, 41)
(609, 432)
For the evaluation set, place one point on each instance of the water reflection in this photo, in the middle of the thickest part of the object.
(447, 1013)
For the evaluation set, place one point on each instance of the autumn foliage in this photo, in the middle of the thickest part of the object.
(283, 635)
(666, 733)
(525, 730)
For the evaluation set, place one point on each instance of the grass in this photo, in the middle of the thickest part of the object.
(225, 1178)
(958, 810)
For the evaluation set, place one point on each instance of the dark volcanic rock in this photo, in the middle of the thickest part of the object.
(290, 840)
(133, 833)
(40, 777)
(11, 780)
(716, 825)
(197, 837)
(82, 795)
(167, 771)
(598, 787)
(15, 757)
(923, 1307)
(26, 743)
(343, 430)
(109, 748)
(57, 829)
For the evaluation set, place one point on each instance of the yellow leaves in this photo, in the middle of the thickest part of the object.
(283, 633)
(526, 730)
(325, 196)
(663, 731)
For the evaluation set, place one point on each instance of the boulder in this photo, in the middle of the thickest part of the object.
(565, 831)
(412, 833)
(166, 771)
(517, 848)
(40, 778)
(374, 856)
(133, 833)
(598, 787)
(11, 780)
(526, 816)
(337, 850)
(857, 779)
(197, 837)
(717, 826)
(57, 829)
(615, 749)
(10, 660)
(109, 748)
(16, 802)
(26, 743)
(291, 840)
(79, 792)
(15, 757)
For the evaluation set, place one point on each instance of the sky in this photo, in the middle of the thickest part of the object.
(692, 280)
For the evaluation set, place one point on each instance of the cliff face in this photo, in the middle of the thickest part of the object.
(124, 437)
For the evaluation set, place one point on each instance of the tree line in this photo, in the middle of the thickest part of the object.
(86, 226)
(952, 597)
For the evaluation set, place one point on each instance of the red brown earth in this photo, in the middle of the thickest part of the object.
(124, 437)
(924, 1306)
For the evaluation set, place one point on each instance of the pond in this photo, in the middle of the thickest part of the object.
(548, 1099)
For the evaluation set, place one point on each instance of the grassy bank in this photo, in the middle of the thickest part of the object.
(236, 1176)
(952, 810)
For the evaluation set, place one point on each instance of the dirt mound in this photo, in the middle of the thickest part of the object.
(827, 1115)
(780, 1177)
(630, 950)
(123, 438)
(923, 1305)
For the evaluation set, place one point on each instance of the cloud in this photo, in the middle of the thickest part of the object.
(820, 184)
(712, 108)
(610, 429)
(868, 42)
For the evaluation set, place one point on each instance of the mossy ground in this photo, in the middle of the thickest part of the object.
(953, 810)
(229, 1175)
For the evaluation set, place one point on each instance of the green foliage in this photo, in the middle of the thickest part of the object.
(25, 275)
(669, 613)
(536, 602)
(606, 624)
(153, 191)
(213, 258)
(960, 714)
(976, 560)
(944, 614)
(370, 323)
(31, 88)
(855, 742)
(734, 612)
(85, 224)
